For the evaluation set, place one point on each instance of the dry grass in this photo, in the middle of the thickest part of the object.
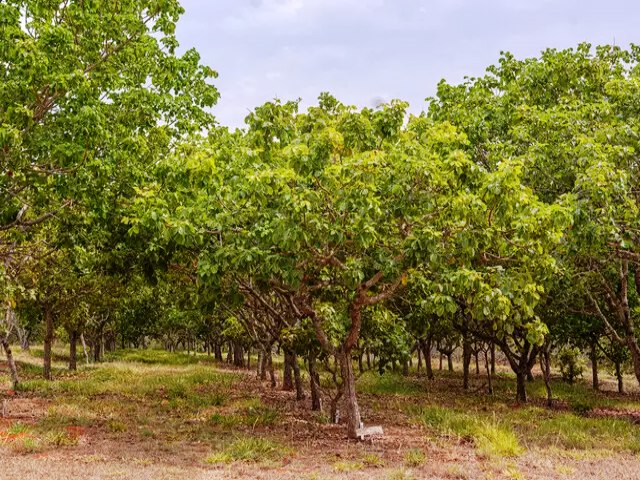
(153, 414)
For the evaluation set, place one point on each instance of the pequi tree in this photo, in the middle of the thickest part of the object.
(571, 117)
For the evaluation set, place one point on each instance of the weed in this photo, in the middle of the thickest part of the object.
(372, 460)
(346, 466)
(400, 474)
(250, 449)
(490, 436)
(414, 458)
(61, 439)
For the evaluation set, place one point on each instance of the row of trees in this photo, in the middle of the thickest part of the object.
(505, 217)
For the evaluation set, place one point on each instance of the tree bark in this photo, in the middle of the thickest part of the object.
(297, 377)
(238, 355)
(48, 341)
(450, 361)
(594, 368)
(521, 383)
(545, 366)
(314, 384)
(272, 373)
(489, 374)
(15, 380)
(619, 377)
(493, 358)
(466, 361)
(73, 343)
(84, 349)
(354, 421)
(426, 353)
(287, 377)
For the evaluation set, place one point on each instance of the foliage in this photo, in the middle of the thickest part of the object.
(571, 363)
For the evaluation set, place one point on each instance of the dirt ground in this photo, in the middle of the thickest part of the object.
(318, 451)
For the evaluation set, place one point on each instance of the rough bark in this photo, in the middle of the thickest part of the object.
(314, 384)
(297, 377)
(545, 366)
(272, 373)
(238, 355)
(619, 377)
(466, 361)
(73, 343)
(48, 341)
(354, 421)
(489, 374)
(594, 368)
(15, 380)
(287, 372)
(84, 349)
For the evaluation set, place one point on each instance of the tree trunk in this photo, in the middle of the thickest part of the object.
(297, 377)
(287, 377)
(354, 421)
(619, 377)
(545, 366)
(594, 368)
(217, 352)
(48, 341)
(489, 374)
(360, 363)
(426, 352)
(530, 377)
(238, 355)
(314, 384)
(15, 380)
(73, 343)
(248, 358)
(466, 362)
(493, 358)
(272, 373)
(84, 349)
(419, 351)
(477, 362)
(521, 383)
(260, 372)
(450, 361)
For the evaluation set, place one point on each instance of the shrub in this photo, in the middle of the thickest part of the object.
(571, 363)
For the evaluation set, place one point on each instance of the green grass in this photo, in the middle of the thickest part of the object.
(390, 383)
(153, 357)
(184, 388)
(569, 430)
(250, 449)
(414, 458)
(488, 435)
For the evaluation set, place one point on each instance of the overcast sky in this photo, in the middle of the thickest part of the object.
(363, 51)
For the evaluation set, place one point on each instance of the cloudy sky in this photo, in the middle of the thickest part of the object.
(364, 51)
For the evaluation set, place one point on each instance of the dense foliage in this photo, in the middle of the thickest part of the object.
(503, 221)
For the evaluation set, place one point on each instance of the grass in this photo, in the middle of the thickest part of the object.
(414, 458)
(173, 399)
(250, 449)
(153, 357)
(489, 436)
(390, 383)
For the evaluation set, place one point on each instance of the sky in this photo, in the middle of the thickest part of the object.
(368, 51)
